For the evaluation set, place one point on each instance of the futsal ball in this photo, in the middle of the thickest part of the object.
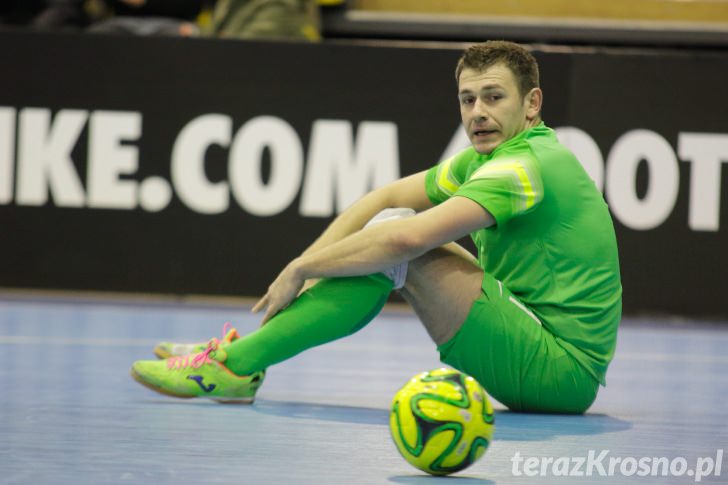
(441, 421)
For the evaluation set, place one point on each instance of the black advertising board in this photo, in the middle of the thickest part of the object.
(202, 166)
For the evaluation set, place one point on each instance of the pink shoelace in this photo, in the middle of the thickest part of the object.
(193, 360)
(198, 360)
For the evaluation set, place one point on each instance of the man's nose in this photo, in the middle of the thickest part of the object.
(480, 109)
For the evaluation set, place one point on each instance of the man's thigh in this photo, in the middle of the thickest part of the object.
(504, 346)
(441, 287)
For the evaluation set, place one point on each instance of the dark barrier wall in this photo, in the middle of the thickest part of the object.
(202, 167)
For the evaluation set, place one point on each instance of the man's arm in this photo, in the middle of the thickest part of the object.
(377, 248)
(384, 245)
(405, 192)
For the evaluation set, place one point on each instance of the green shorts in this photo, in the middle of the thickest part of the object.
(519, 362)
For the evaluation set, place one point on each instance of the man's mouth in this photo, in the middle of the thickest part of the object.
(479, 133)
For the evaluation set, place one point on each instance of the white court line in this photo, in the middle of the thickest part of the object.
(118, 342)
(44, 340)
(656, 357)
(115, 342)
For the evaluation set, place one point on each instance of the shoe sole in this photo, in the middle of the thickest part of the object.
(222, 400)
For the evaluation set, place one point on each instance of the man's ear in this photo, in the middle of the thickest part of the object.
(534, 101)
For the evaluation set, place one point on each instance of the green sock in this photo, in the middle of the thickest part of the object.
(332, 309)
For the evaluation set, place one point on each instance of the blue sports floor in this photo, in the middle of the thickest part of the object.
(70, 413)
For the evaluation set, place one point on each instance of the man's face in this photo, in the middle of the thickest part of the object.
(492, 108)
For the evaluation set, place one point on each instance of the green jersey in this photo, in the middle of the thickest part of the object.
(553, 244)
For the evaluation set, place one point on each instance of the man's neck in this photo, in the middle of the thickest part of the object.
(534, 122)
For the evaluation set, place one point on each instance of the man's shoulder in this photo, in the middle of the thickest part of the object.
(540, 147)
(542, 141)
(521, 153)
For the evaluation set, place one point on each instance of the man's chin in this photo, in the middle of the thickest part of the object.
(485, 148)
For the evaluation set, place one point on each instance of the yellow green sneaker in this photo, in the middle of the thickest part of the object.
(165, 350)
(198, 375)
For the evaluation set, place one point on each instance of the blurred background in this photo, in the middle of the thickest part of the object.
(191, 148)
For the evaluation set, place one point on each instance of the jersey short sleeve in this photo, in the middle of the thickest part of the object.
(445, 178)
(506, 187)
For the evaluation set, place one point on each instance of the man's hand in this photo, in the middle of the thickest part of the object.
(281, 292)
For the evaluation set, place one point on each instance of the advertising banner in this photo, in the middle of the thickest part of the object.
(188, 166)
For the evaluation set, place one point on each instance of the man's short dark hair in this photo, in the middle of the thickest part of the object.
(520, 61)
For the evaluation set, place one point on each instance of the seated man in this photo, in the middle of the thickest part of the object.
(534, 318)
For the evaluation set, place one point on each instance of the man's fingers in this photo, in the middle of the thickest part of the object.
(261, 304)
(268, 315)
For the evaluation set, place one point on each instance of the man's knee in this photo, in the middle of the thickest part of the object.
(391, 214)
(398, 273)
